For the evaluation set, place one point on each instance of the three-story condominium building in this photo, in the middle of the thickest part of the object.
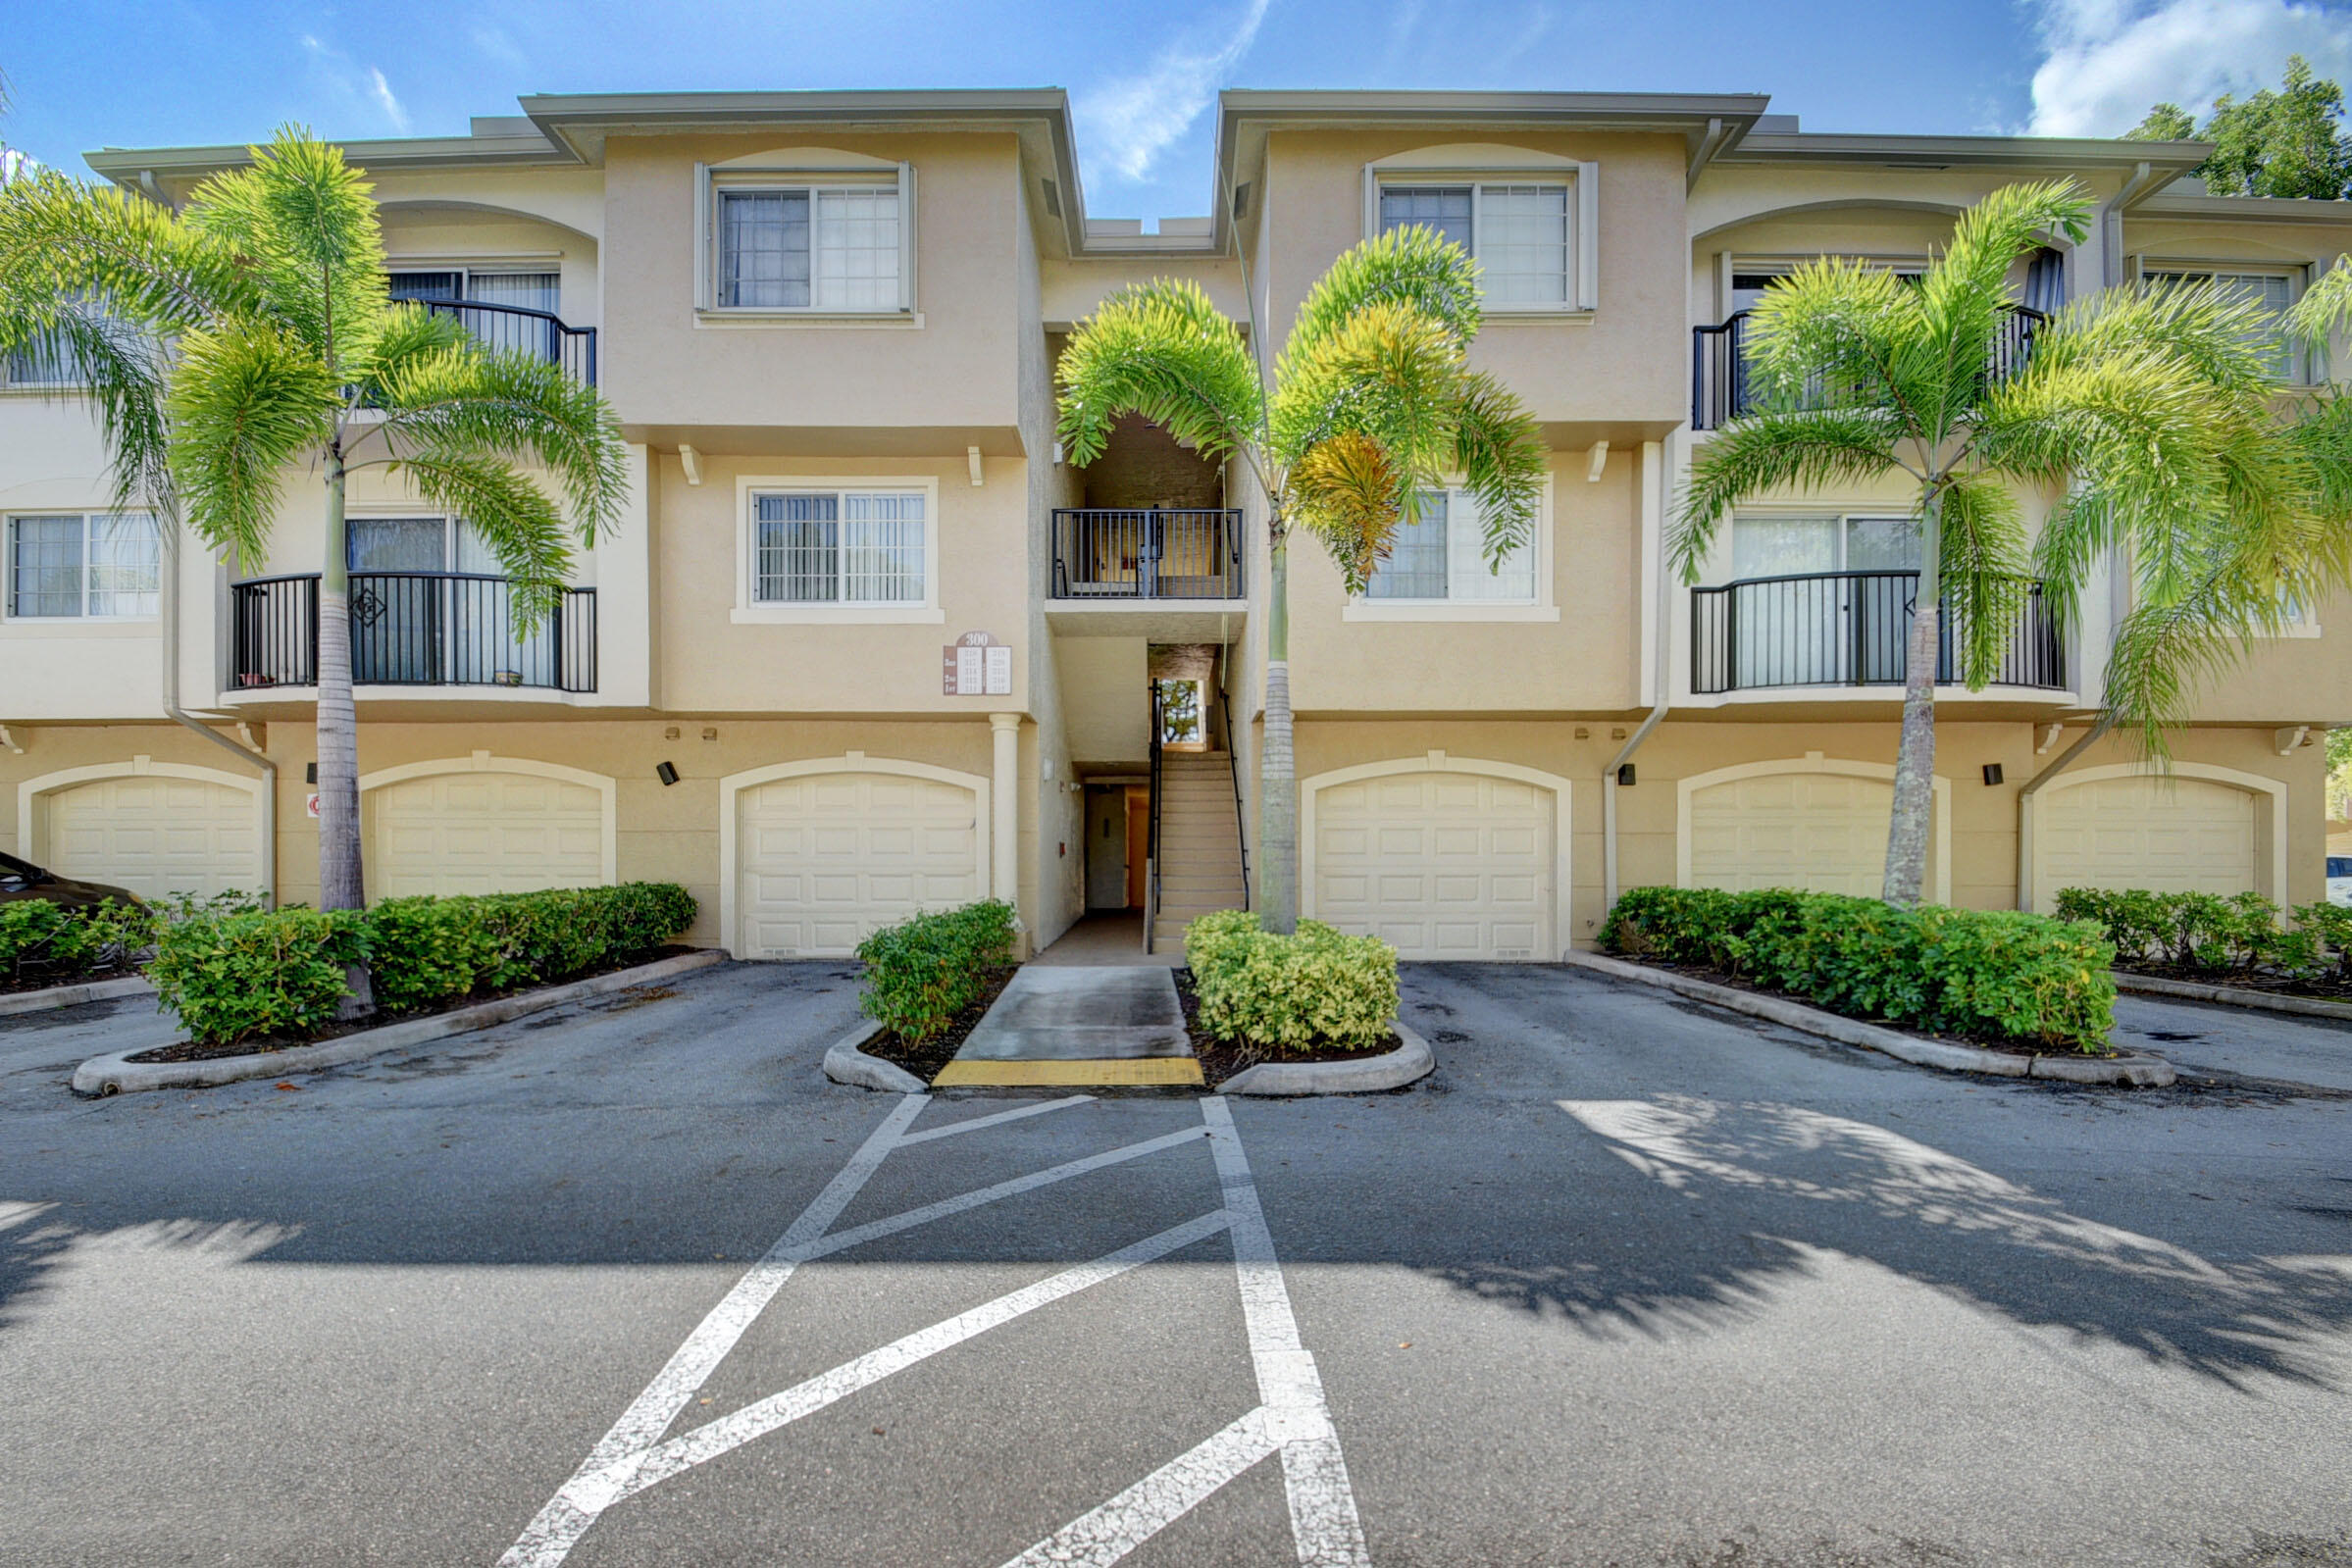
(865, 643)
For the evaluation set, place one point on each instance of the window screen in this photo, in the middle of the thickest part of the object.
(824, 248)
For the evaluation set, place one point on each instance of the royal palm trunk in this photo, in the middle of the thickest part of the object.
(1907, 832)
(340, 885)
(1278, 765)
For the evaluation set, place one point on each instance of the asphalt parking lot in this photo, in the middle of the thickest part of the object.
(1625, 1282)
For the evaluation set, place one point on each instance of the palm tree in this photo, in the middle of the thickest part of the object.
(2146, 413)
(1372, 403)
(230, 347)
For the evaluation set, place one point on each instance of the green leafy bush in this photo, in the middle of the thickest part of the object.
(246, 976)
(1271, 992)
(48, 943)
(2330, 926)
(2201, 933)
(1985, 973)
(257, 976)
(924, 971)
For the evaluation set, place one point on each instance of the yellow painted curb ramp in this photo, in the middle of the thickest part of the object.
(1162, 1070)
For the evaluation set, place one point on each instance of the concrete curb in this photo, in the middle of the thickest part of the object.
(116, 1074)
(2231, 997)
(844, 1063)
(2144, 1072)
(88, 990)
(1370, 1075)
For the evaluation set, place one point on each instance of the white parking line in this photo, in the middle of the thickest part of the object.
(976, 1123)
(1102, 1536)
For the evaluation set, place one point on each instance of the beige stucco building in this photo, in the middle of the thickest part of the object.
(864, 642)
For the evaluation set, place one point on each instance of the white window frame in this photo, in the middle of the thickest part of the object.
(1540, 608)
(2306, 367)
(8, 567)
(1582, 293)
(710, 182)
(749, 611)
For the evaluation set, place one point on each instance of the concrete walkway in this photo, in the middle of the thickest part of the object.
(1095, 1024)
(1109, 936)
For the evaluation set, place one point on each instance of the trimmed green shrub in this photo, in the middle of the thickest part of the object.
(1271, 992)
(1986, 974)
(2199, 932)
(245, 977)
(2330, 926)
(924, 971)
(51, 944)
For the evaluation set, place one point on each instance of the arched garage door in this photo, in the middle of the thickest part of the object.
(154, 835)
(2176, 835)
(824, 858)
(481, 831)
(1822, 832)
(1439, 864)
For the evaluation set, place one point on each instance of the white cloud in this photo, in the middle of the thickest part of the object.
(1132, 119)
(356, 87)
(495, 43)
(382, 91)
(2107, 61)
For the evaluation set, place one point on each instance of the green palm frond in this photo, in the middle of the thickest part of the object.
(518, 522)
(1162, 350)
(1502, 457)
(1411, 266)
(1347, 493)
(1392, 371)
(1983, 567)
(2224, 338)
(2325, 305)
(1762, 453)
(1835, 333)
(1964, 298)
(246, 403)
(304, 222)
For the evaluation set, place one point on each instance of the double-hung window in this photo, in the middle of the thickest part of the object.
(1529, 236)
(851, 548)
(82, 566)
(781, 245)
(2269, 292)
(1439, 557)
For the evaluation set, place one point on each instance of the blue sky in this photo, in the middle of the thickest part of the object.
(1142, 75)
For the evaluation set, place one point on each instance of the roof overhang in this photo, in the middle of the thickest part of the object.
(2175, 158)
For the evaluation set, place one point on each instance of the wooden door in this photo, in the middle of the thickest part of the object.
(1139, 841)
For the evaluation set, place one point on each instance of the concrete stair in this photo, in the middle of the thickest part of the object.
(1200, 841)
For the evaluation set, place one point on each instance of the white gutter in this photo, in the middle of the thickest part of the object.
(1653, 487)
(168, 624)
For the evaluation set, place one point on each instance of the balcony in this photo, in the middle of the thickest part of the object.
(1845, 628)
(412, 628)
(1149, 553)
(1719, 389)
(518, 328)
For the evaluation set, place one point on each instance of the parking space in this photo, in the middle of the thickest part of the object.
(1627, 1282)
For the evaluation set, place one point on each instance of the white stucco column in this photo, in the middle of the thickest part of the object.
(1004, 809)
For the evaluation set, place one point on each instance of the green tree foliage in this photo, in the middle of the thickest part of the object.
(2284, 143)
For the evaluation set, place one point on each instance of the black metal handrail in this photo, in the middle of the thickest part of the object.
(1241, 825)
(541, 333)
(1847, 629)
(413, 628)
(1146, 553)
(1720, 384)
(1152, 839)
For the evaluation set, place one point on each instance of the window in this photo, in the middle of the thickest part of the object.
(93, 566)
(532, 291)
(852, 548)
(1790, 546)
(1440, 558)
(2271, 291)
(814, 247)
(1523, 234)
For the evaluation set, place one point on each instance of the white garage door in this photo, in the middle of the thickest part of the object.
(1440, 865)
(484, 833)
(2168, 835)
(828, 857)
(1822, 832)
(156, 835)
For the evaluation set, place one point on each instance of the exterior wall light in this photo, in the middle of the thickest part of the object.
(1992, 773)
(666, 772)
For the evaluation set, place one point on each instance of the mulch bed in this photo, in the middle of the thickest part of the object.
(926, 1060)
(1982, 1043)
(189, 1051)
(10, 984)
(1219, 1060)
(2316, 991)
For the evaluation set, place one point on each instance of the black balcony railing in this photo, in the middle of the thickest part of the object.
(1719, 387)
(1148, 553)
(517, 328)
(414, 628)
(1846, 629)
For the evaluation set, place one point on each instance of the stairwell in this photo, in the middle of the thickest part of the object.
(1199, 842)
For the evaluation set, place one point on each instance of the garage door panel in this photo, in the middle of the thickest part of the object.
(154, 834)
(1441, 865)
(2176, 834)
(829, 858)
(1822, 832)
(483, 832)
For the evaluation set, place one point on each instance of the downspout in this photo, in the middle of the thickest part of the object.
(168, 624)
(1653, 519)
(2032, 786)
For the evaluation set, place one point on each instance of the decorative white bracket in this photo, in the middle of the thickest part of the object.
(2288, 739)
(2050, 734)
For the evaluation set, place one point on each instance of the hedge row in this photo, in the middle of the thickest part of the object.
(925, 970)
(1265, 991)
(2019, 979)
(51, 944)
(2206, 934)
(282, 974)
